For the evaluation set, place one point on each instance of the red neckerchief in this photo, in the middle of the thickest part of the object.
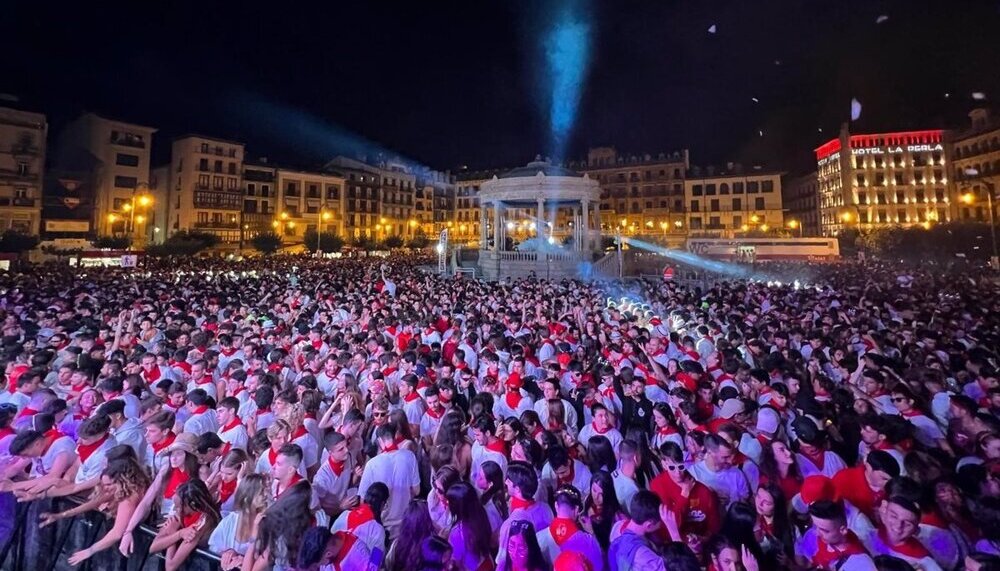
(435, 414)
(817, 459)
(391, 447)
(6, 431)
(272, 456)
(317, 344)
(235, 422)
(191, 519)
(911, 546)
(827, 555)
(879, 393)
(84, 451)
(299, 433)
(206, 382)
(517, 503)
(114, 395)
(200, 410)
(598, 430)
(79, 388)
(228, 351)
(422, 384)
(53, 434)
(562, 528)
(498, 446)
(152, 375)
(167, 441)
(513, 399)
(666, 430)
(358, 516)
(337, 467)
(345, 549)
(296, 478)
(443, 399)
(27, 411)
(765, 528)
(912, 413)
(568, 479)
(411, 397)
(177, 477)
(226, 490)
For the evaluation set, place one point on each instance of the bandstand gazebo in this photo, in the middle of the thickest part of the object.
(539, 218)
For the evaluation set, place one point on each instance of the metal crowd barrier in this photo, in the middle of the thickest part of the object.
(23, 545)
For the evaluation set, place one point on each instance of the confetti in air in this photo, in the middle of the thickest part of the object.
(777, 62)
(979, 96)
(855, 109)
(711, 29)
(947, 95)
(755, 100)
(882, 19)
(761, 132)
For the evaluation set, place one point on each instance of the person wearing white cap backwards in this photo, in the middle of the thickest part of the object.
(752, 443)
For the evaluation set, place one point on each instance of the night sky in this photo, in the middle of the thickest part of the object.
(448, 84)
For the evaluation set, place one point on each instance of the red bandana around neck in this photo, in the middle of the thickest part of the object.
(226, 490)
(513, 399)
(177, 477)
(517, 503)
(84, 451)
(200, 410)
(562, 528)
(167, 441)
(498, 446)
(337, 467)
(235, 422)
(358, 516)
(391, 447)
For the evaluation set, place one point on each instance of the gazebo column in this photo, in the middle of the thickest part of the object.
(585, 225)
(497, 233)
(483, 236)
(577, 229)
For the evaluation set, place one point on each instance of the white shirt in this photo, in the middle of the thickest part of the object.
(201, 423)
(625, 488)
(133, 408)
(371, 532)
(131, 433)
(95, 463)
(542, 408)
(832, 463)
(730, 484)
(236, 436)
(481, 454)
(397, 470)
(44, 464)
(224, 536)
(332, 487)
(611, 434)
(310, 450)
(580, 542)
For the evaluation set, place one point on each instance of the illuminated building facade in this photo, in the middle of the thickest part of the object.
(800, 197)
(22, 162)
(882, 179)
(975, 162)
(729, 204)
(205, 188)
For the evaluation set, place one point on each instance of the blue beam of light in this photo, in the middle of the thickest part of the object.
(567, 54)
(305, 134)
(721, 268)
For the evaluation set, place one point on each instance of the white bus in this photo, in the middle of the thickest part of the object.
(762, 249)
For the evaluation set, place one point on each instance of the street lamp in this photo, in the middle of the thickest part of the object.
(323, 215)
(970, 198)
(793, 224)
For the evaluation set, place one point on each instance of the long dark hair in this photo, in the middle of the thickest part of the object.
(738, 524)
(194, 496)
(601, 455)
(432, 554)
(414, 529)
(769, 465)
(287, 519)
(470, 514)
(782, 526)
(376, 497)
(525, 529)
(497, 490)
(610, 508)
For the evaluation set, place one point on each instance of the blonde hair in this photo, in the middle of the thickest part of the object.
(293, 414)
(277, 428)
(249, 488)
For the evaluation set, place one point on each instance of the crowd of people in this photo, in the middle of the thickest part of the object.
(291, 413)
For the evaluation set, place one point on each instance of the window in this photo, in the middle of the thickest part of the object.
(218, 166)
(696, 223)
(714, 205)
(901, 215)
(880, 198)
(679, 205)
(203, 181)
(920, 195)
(899, 178)
(333, 191)
(737, 204)
(710, 190)
(724, 188)
(900, 196)
(753, 187)
(677, 173)
(862, 198)
(758, 203)
(203, 218)
(232, 183)
(203, 165)
(232, 168)
(918, 177)
(879, 179)
(737, 221)
(291, 189)
(265, 190)
(204, 147)
(217, 182)
(649, 204)
(694, 206)
(696, 190)
(117, 203)
(737, 188)
(918, 161)
(861, 179)
(938, 195)
(767, 186)
(313, 191)
(126, 182)
(126, 160)
(714, 222)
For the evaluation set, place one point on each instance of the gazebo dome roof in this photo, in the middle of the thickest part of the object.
(539, 166)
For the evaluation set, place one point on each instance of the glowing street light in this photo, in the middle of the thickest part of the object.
(795, 224)
(764, 227)
(144, 200)
(745, 227)
(112, 218)
(755, 219)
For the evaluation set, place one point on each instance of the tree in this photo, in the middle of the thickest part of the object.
(365, 243)
(14, 242)
(328, 241)
(267, 243)
(113, 242)
(393, 242)
(183, 243)
(419, 242)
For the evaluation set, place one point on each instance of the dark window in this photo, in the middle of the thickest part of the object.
(758, 203)
(737, 204)
(232, 168)
(126, 182)
(714, 222)
(218, 166)
(767, 186)
(710, 190)
(217, 182)
(696, 223)
(694, 206)
(724, 188)
(333, 191)
(203, 181)
(696, 190)
(204, 147)
(714, 205)
(861, 180)
(126, 160)
(899, 178)
(203, 165)
(737, 188)
(879, 179)
(752, 187)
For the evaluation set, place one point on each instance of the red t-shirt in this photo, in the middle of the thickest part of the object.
(698, 513)
(852, 486)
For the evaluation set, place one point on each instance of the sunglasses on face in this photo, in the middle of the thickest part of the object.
(675, 467)
(379, 414)
(898, 399)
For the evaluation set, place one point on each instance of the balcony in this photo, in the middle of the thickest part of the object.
(19, 202)
(18, 176)
(218, 200)
(20, 150)
(217, 224)
(127, 140)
